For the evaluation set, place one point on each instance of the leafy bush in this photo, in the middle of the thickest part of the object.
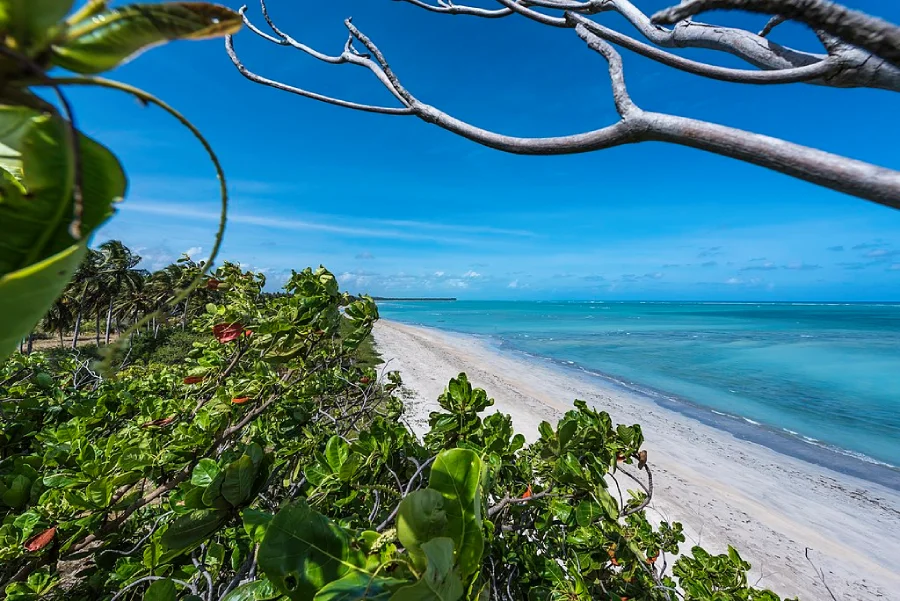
(271, 463)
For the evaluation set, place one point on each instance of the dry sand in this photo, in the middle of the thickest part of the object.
(769, 506)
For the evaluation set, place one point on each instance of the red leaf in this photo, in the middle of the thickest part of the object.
(212, 284)
(39, 541)
(240, 400)
(248, 333)
(193, 379)
(227, 332)
(165, 421)
(527, 494)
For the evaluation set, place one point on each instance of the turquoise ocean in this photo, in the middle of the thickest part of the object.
(816, 381)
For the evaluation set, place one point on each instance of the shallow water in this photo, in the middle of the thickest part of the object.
(824, 375)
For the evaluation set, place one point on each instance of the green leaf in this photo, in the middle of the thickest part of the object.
(456, 474)
(336, 452)
(356, 586)
(204, 472)
(17, 494)
(99, 492)
(31, 22)
(586, 512)
(37, 254)
(161, 590)
(256, 523)
(238, 482)
(303, 551)
(253, 591)
(108, 39)
(193, 528)
(440, 581)
(420, 518)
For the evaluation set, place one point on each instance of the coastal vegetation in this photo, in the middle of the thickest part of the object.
(263, 455)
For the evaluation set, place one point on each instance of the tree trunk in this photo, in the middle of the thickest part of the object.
(109, 319)
(22, 346)
(62, 343)
(77, 330)
(30, 343)
(187, 303)
(98, 327)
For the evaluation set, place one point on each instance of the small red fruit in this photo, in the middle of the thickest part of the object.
(212, 284)
(41, 540)
(248, 333)
(227, 332)
(527, 494)
(240, 400)
(365, 380)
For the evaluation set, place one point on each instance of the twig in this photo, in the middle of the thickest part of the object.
(820, 573)
(186, 585)
(507, 500)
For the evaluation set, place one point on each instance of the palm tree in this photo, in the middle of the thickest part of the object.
(59, 318)
(137, 303)
(85, 291)
(118, 275)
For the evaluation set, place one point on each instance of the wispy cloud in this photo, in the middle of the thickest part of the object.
(767, 266)
(302, 225)
(709, 264)
(450, 227)
(835, 248)
(869, 245)
(365, 256)
(802, 267)
(710, 251)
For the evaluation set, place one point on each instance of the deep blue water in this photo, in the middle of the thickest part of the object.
(819, 381)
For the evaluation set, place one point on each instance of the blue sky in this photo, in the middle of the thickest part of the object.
(396, 206)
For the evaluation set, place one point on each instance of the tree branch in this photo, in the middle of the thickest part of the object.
(877, 184)
(880, 38)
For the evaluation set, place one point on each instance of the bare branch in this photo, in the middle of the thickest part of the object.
(850, 66)
(780, 76)
(453, 9)
(857, 178)
(880, 38)
(507, 500)
(229, 48)
(772, 24)
(624, 104)
(857, 67)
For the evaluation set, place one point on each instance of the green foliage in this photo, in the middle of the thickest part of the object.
(58, 186)
(263, 447)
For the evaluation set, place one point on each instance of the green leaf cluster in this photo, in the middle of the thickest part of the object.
(57, 186)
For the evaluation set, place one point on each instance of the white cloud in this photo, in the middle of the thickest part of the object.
(194, 252)
(438, 274)
(513, 284)
(734, 281)
(471, 274)
(894, 267)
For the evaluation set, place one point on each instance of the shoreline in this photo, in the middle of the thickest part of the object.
(785, 442)
(725, 490)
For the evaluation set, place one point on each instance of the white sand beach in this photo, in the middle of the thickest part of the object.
(769, 506)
